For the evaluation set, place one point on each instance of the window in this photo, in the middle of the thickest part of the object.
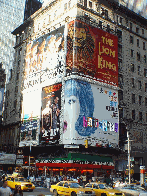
(132, 51)
(146, 117)
(100, 24)
(15, 104)
(140, 99)
(108, 28)
(133, 82)
(19, 51)
(142, 31)
(119, 35)
(17, 76)
(119, 48)
(104, 13)
(145, 72)
(65, 6)
(133, 114)
(145, 87)
(140, 116)
(133, 98)
(138, 56)
(144, 58)
(89, 185)
(120, 20)
(85, 3)
(132, 67)
(131, 26)
(139, 84)
(145, 101)
(61, 184)
(137, 42)
(16, 89)
(139, 70)
(143, 45)
(66, 184)
(90, 4)
(131, 39)
(137, 30)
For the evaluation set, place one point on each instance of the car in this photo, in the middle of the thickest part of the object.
(70, 188)
(23, 182)
(133, 190)
(102, 190)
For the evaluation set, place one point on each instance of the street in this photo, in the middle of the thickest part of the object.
(38, 191)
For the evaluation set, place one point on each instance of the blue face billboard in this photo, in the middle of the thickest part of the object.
(90, 111)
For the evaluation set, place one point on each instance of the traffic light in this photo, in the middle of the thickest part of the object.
(86, 143)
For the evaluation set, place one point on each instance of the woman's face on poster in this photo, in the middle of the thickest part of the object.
(72, 110)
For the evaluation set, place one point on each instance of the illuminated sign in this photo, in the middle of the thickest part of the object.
(92, 52)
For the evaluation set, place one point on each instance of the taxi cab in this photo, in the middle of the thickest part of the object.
(70, 188)
(21, 181)
(101, 189)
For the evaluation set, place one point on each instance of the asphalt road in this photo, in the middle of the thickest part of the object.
(38, 191)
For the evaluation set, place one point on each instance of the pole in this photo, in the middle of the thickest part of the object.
(29, 162)
(129, 157)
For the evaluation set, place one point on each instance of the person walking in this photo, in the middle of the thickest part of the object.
(5, 190)
(18, 191)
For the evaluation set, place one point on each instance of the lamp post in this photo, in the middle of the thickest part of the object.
(29, 161)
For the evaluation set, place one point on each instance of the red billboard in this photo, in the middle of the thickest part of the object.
(92, 52)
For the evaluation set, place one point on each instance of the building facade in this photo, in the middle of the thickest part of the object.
(67, 52)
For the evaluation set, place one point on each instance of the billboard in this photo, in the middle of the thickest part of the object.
(29, 130)
(51, 108)
(44, 59)
(92, 52)
(138, 6)
(1, 100)
(90, 112)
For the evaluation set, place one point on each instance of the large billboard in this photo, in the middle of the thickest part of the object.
(90, 112)
(44, 59)
(51, 108)
(92, 52)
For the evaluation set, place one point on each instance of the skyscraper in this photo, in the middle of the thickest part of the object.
(12, 13)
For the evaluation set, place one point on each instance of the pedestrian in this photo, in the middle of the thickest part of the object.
(5, 190)
(18, 191)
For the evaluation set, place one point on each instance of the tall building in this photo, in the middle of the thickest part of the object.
(76, 64)
(12, 13)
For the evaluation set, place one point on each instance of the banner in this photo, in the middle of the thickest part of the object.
(90, 112)
(92, 52)
(1, 100)
(51, 108)
(44, 58)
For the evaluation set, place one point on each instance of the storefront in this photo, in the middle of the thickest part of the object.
(76, 164)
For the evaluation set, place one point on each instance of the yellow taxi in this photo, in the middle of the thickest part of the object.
(21, 181)
(101, 189)
(70, 188)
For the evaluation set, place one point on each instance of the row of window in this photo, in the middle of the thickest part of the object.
(138, 56)
(139, 84)
(138, 45)
(132, 68)
(140, 99)
(139, 114)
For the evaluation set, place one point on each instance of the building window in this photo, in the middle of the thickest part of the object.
(145, 72)
(132, 67)
(119, 35)
(133, 82)
(120, 20)
(131, 39)
(140, 116)
(133, 114)
(145, 101)
(100, 24)
(65, 6)
(144, 58)
(133, 98)
(143, 45)
(108, 28)
(140, 99)
(142, 31)
(131, 26)
(85, 3)
(145, 87)
(146, 116)
(132, 51)
(137, 30)
(138, 56)
(16, 89)
(15, 104)
(17, 76)
(90, 4)
(19, 51)
(139, 70)
(137, 42)
(139, 84)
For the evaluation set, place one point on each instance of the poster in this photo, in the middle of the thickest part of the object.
(90, 111)
(44, 58)
(1, 100)
(92, 52)
(51, 109)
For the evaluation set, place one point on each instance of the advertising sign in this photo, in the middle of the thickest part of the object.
(51, 107)
(90, 112)
(1, 100)
(7, 158)
(92, 52)
(44, 59)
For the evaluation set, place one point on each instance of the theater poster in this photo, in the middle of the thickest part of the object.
(92, 53)
(90, 112)
(51, 109)
(30, 119)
